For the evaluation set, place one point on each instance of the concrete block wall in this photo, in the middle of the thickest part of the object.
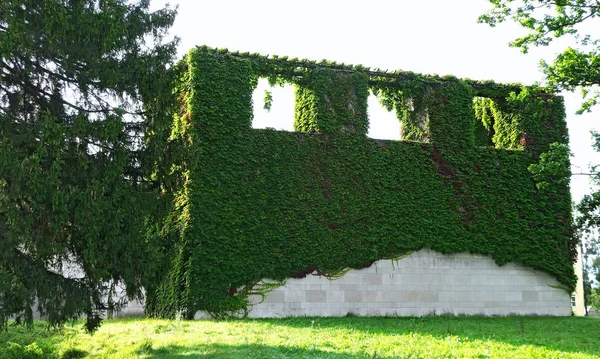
(424, 283)
(577, 298)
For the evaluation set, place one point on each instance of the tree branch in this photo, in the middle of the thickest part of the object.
(596, 6)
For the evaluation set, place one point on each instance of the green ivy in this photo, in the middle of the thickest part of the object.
(250, 204)
(268, 99)
(484, 122)
(329, 102)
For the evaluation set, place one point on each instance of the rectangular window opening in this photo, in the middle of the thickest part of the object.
(273, 106)
(383, 124)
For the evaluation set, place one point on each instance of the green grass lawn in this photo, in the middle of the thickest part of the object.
(328, 338)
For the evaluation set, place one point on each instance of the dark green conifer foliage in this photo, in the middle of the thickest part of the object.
(73, 77)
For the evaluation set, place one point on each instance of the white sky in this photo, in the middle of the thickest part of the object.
(426, 36)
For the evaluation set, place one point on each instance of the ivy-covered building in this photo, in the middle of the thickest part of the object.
(251, 209)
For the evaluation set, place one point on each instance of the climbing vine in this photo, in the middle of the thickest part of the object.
(254, 204)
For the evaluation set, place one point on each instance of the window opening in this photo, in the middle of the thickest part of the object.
(280, 115)
(383, 124)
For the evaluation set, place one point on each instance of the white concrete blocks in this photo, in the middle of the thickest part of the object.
(423, 283)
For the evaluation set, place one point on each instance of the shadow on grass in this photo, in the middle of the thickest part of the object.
(24, 342)
(249, 351)
(569, 335)
(565, 334)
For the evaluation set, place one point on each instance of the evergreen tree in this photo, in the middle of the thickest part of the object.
(74, 77)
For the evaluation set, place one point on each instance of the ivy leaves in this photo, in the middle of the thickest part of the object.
(256, 204)
(554, 167)
(268, 99)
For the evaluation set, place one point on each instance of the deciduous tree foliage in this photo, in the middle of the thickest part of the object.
(589, 222)
(73, 199)
(589, 207)
(578, 66)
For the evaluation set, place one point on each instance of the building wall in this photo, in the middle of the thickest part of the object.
(424, 283)
(577, 297)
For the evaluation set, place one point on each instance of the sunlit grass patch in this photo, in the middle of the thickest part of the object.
(330, 338)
